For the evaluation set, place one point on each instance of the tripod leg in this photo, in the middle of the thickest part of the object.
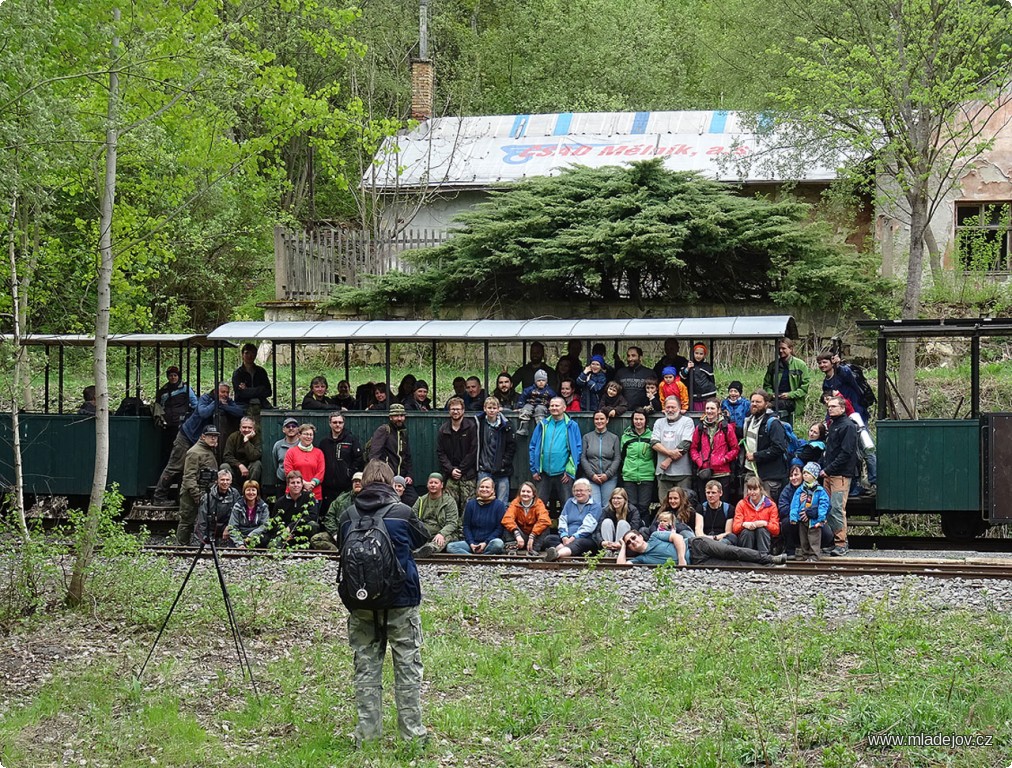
(233, 624)
(168, 616)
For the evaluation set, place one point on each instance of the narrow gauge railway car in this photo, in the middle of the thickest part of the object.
(58, 445)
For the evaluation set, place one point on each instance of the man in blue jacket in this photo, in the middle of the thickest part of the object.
(403, 620)
(555, 453)
(209, 407)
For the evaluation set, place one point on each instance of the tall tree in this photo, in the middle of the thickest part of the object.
(911, 91)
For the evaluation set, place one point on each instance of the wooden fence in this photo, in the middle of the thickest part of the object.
(307, 265)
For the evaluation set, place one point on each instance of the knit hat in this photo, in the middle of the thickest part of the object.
(736, 385)
(597, 359)
(700, 345)
(436, 476)
(669, 371)
(399, 480)
(397, 409)
(421, 384)
(172, 369)
(540, 375)
(812, 469)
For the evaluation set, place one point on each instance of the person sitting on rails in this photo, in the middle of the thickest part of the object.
(672, 385)
(554, 454)
(567, 391)
(683, 508)
(601, 459)
(618, 518)
(290, 428)
(483, 531)
(457, 452)
(419, 401)
(342, 458)
(533, 402)
(243, 450)
(671, 440)
(345, 401)
(714, 449)
(504, 392)
(407, 493)
(296, 515)
(578, 522)
(389, 444)
(638, 463)
(527, 520)
(308, 459)
(200, 462)
(212, 407)
(380, 400)
(247, 527)
(697, 375)
(439, 514)
(316, 399)
(735, 407)
(326, 539)
(715, 517)
(497, 446)
(89, 406)
(654, 404)
(591, 383)
(756, 518)
(251, 384)
(809, 509)
(474, 395)
(523, 377)
(216, 506)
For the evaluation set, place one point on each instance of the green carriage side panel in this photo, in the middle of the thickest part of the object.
(58, 451)
(422, 429)
(929, 465)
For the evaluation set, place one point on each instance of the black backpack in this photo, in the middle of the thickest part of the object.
(370, 576)
(867, 393)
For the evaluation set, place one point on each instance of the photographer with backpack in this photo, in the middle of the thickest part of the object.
(378, 583)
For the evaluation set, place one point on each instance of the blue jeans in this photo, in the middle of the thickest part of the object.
(493, 547)
(602, 493)
(502, 487)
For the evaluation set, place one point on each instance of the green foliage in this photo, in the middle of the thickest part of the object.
(654, 233)
(27, 576)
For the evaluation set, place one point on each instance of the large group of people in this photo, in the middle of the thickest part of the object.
(735, 476)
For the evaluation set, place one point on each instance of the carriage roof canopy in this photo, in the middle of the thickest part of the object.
(115, 339)
(328, 331)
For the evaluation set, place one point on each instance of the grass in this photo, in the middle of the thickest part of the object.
(573, 676)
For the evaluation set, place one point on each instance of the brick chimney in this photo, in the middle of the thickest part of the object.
(422, 89)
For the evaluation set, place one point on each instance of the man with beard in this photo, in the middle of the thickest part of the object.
(389, 444)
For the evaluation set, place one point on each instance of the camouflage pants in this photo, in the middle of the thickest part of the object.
(404, 635)
(187, 519)
(461, 490)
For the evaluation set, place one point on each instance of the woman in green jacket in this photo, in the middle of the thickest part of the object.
(638, 463)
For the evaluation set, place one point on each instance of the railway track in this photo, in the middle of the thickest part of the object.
(851, 566)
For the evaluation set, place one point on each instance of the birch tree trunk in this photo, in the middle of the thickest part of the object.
(19, 361)
(75, 592)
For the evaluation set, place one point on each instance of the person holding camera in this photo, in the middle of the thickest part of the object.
(215, 508)
(201, 457)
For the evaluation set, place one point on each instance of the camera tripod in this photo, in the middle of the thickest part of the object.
(210, 530)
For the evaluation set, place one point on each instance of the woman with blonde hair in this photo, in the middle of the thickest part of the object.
(617, 519)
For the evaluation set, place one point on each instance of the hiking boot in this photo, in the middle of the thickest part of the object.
(551, 555)
(427, 550)
(780, 559)
(798, 556)
(840, 551)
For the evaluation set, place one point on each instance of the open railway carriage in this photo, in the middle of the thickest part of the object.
(960, 468)
(58, 446)
(488, 333)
